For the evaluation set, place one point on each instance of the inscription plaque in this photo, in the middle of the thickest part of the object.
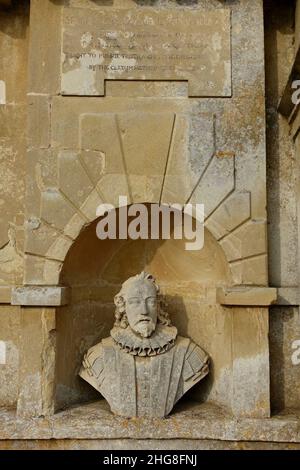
(146, 44)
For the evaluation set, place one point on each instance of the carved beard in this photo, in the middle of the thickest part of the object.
(144, 328)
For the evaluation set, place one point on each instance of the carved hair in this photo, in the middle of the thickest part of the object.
(121, 319)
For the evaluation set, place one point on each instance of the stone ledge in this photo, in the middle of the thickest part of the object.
(142, 444)
(247, 296)
(188, 421)
(40, 296)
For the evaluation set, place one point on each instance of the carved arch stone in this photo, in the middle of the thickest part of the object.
(147, 157)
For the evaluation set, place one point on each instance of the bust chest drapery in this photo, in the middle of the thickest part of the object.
(148, 385)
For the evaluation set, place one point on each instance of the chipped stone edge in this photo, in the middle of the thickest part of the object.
(40, 296)
(247, 296)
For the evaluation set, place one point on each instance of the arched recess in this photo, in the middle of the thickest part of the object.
(167, 157)
(95, 269)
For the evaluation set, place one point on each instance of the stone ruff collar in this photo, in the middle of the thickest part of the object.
(159, 342)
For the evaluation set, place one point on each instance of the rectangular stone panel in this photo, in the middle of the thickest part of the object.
(246, 295)
(40, 295)
(146, 44)
(250, 362)
(37, 362)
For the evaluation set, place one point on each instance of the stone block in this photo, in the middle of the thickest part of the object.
(216, 184)
(94, 163)
(33, 269)
(41, 271)
(251, 371)
(51, 272)
(37, 364)
(55, 209)
(179, 39)
(5, 294)
(44, 296)
(121, 138)
(11, 259)
(191, 149)
(41, 175)
(111, 186)
(101, 133)
(248, 240)
(44, 51)
(256, 296)
(74, 226)
(10, 334)
(192, 424)
(39, 236)
(59, 248)
(253, 271)
(73, 180)
(90, 205)
(233, 212)
(38, 121)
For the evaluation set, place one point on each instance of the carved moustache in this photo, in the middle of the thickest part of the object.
(144, 320)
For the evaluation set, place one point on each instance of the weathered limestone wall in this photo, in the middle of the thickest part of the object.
(282, 180)
(67, 134)
(76, 149)
(13, 72)
(14, 29)
(80, 126)
(90, 149)
(10, 328)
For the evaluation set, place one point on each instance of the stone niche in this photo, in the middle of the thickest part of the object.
(114, 110)
(95, 270)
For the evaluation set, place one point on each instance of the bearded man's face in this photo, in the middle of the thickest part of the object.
(142, 307)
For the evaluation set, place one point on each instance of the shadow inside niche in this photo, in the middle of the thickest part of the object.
(14, 19)
(95, 270)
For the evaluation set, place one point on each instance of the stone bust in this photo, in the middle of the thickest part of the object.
(144, 367)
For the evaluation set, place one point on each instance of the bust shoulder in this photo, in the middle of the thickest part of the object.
(93, 365)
